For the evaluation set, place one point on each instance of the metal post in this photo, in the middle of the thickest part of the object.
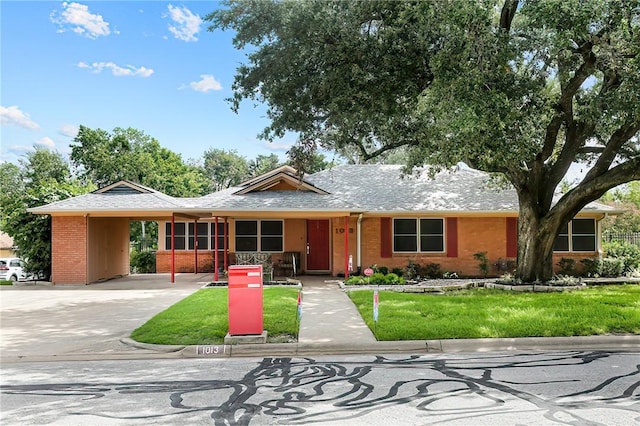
(215, 254)
(224, 243)
(173, 247)
(195, 244)
(346, 247)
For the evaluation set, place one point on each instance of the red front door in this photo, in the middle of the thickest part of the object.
(318, 245)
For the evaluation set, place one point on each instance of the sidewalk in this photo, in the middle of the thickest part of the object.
(329, 316)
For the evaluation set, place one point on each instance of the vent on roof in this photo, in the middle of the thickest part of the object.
(122, 189)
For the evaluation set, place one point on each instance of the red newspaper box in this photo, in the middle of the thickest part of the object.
(245, 299)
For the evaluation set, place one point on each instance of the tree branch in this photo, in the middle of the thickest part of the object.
(508, 13)
(588, 191)
(611, 149)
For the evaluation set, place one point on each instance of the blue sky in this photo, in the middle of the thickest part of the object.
(150, 65)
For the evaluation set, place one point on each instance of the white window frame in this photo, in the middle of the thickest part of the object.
(210, 236)
(570, 236)
(418, 234)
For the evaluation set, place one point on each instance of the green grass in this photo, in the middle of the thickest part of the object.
(484, 313)
(202, 318)
(6, 282)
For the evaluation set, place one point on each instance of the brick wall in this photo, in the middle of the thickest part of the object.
(69, 250)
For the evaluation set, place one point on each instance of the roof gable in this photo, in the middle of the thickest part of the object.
(284, 178)
(124, 187)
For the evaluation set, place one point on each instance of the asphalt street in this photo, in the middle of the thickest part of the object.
(545, 388)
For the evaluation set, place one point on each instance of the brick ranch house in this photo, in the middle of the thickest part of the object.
(342, 219)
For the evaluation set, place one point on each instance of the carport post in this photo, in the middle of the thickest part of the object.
(224, 243)
(173, 247)
(195, 244)
(215, 254)
(346, 247)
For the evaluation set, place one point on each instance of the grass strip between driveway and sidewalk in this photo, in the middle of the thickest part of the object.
(202, 318)
(488, 313)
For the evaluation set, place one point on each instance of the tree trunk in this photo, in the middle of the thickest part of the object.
(536, 235)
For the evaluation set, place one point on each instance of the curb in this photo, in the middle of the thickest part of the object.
(615, 343)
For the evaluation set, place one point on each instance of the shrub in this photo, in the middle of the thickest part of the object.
(566, 266)
(611, 267)
(142, 262)
(397, 271)
(607, 267)
(382, 269)
(628, 253)
(392, 278)
(431, 270)
(377, 278)
(412, 270)
(355, 280)
(483, 262)
(564, 280)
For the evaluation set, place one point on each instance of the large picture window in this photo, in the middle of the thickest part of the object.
(259, 235)
(187, 233)
(418, 235)
(577, 235)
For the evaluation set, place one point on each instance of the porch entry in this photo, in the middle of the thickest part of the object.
(318, 245)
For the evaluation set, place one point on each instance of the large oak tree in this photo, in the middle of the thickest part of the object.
(519, 88)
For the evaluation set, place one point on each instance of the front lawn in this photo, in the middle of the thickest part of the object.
(202, 318)
(481, 313)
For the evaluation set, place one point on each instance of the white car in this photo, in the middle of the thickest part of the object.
(12, 269)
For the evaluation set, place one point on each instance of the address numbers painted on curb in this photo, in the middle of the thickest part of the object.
(211, 350)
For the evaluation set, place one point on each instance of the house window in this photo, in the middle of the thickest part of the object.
(220, 236)
(203, 236)
(259, 235)
(418, 235)
(271, 235)
(577, 235)
(185, 235)
(179, 235)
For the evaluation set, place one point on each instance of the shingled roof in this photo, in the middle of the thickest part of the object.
(373, 188)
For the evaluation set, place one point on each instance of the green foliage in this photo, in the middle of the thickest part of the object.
(567, 266)
(142, 262)
(412, 270)
(382, 269)
(129, 154)
(263, 164)
(512, 88)
(484, 313)
(431, 270)
(376, 279)
(46, 178)
(355, 280)
(606, 267)
(224, 168)
(628, 253)
(397, 271)
(483, 262)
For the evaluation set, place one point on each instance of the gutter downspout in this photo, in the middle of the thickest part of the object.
(359, 244)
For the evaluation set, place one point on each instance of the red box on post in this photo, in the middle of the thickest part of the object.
(245, 300)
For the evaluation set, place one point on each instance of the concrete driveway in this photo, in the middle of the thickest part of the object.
(46, 321)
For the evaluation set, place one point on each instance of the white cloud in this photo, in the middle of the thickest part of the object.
(207, 82)
(69, 130)
(117, 70)
(20, 149)
(186, 24)
(77, 18)
(14, 116)
(280, 146)
(46, 142)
